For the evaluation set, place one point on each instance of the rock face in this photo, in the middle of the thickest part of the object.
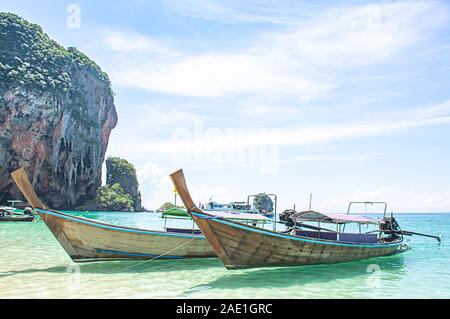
(56, 115)
(120, 171)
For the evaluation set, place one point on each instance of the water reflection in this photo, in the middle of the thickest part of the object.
(302, 275)
(118, 267)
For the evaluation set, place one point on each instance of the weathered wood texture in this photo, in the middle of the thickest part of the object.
(242, 246)
(86, 240)
(245, 248)
(90, 240)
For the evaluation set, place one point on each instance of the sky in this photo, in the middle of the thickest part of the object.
(348, 100)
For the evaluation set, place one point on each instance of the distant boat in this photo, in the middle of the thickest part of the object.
(239, 207)
(243, 246)
(11, 214)
(8, 216)
(86, 239)
(243, 217)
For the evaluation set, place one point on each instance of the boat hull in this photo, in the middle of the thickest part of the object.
(17, 219)
(87, 240)
(241, 246)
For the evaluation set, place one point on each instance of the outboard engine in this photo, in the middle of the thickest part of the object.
(285, 217)
(390, 226)
(28, 211)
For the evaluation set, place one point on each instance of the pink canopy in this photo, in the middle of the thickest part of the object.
(333, 218)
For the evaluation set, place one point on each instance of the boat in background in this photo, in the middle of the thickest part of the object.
(12, 214)
(85, 239)
(248, 218)
(236, 207)
(243, 246)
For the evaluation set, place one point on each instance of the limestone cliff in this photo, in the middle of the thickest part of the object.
(120, 171)
(56, 115)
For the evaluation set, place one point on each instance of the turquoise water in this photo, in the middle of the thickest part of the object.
(33, 265)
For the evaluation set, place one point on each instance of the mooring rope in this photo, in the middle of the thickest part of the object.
(162, 255)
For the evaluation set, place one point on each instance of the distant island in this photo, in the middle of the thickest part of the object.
(121, 192)
(56, 115)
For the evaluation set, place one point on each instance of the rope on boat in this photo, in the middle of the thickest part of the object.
(204, 216)
(164, 254)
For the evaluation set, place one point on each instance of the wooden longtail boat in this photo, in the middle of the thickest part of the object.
(10, 217)
(11, 214)
(90, 240)
(243, 246)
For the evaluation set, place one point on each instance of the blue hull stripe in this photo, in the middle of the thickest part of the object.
(116, 228)
(275, 234)
(123, 253)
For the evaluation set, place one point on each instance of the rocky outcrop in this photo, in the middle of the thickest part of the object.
(120, 171)
(56, 115)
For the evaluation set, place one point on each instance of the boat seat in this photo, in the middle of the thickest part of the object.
(184, 231)
(316, 234)
(343, 237)
(359, 238)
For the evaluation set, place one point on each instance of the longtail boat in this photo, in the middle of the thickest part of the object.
(90, 240)
(243, 246)
(12, 214)
(8, 216)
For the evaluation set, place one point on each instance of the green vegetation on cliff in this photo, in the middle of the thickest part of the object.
(263, 203)
(168, 205)
(29, 58)
(64, 102)
(123, 172)
(121, 166)
(114, 198)
(121, 192)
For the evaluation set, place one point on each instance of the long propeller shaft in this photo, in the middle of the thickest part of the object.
(410, 233)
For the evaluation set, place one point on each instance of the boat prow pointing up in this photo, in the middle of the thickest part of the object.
(244, 246)
(91, 240)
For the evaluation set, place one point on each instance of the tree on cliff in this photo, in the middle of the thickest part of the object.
(169, 205)
(263, 203)
(166, 206)
(29, 58)
(114, 198)
(120, 171)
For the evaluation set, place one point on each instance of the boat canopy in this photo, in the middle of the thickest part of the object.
(175, 213)
(236, 216)
(314, 216)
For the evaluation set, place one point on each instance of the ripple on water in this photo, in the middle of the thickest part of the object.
(33, 265)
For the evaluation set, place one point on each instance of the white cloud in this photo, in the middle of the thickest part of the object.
(405, 200)
(351, 36)
(234, 11)
(215, 74)
(246, 138)
(155, 185)
(287, 62)
(155, 117)
(157, 188)
(265, 109)
(128, 41)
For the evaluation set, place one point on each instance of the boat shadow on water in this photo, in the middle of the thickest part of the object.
(125, 266)
(393, 266)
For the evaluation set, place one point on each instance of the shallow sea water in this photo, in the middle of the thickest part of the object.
(34, 265)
